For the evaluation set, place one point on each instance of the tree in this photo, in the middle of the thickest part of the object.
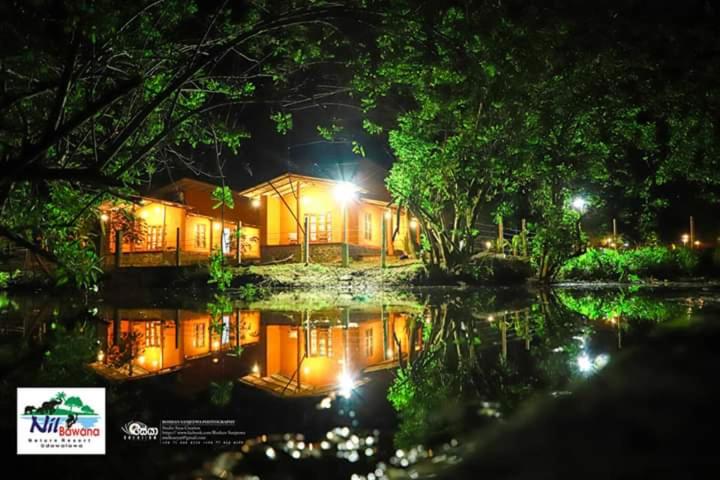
(97, 95)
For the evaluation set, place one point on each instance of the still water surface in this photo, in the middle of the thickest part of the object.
(349, 384)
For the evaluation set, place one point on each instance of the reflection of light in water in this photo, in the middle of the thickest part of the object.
(587, 365)
(601, 360)
(346, 385)
(584, 363)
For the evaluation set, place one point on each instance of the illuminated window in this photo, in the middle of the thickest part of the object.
(200, 235)
(152, 334)
(320, 228)
(369, 343)
(368, 226)
(155, 237)
(199, 335)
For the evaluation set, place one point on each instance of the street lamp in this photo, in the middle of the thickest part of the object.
(344, 193)
(579, 204)
(685, 238)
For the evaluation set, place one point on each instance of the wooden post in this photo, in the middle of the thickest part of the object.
(118, 247)
(177, 247)
(212, 228)
(383, 241)
(615, 234)
(501, 233)
(306, 242)
(238, 241)
(523, 236)
(345, 246)
(503, 339)
(692, 232)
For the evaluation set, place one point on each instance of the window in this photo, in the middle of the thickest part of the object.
(368, 226)
(200, 235)
(226, 240)
(152, 334)
(155, 237)
(320, 228)
(369, 343)
(199, 335)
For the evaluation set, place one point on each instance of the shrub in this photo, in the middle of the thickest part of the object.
(630, 265)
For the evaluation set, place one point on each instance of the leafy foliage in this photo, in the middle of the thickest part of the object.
(624, 265)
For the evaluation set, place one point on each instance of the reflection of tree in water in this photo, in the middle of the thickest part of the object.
(127, 349)
(473, 367)
(69, 350)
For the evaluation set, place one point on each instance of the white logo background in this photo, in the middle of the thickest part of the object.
(52, 443)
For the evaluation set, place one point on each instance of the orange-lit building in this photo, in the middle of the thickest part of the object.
(333, 209)
(285, 353)
(179, 215)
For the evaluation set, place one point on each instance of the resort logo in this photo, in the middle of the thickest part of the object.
(62, 421)
(135, 430)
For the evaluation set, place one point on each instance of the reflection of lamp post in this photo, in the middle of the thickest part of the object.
(344, 193)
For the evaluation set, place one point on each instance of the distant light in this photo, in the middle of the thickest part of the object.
(101, 356)
(488, 244)
(413, 223)
(685, 238)
(390, 352)
(216, 225)
(306, 370)
(256, 369)
(491, 318)
(155, 364)
(388, 214)
(346, 385)
(579, 204)
(270, 453)
(104, 217)
(697, 243)
(143, 214)
(215, 360)
(157, 210)
(255, 202)
(141, 359)
(345, 192)
(584, 363)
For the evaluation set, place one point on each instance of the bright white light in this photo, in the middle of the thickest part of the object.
(104, 217)
(579, 204)
(584, 363)
(345, 191)
(255, 202)
(346, 385)
(413, 223)
(388, 214)
(256, 369)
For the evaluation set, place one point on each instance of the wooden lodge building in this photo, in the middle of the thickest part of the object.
(271, 218)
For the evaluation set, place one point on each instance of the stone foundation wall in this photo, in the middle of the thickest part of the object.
(319, 252)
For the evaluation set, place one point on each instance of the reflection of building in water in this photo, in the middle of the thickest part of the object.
(313, 353)
(139, 342)
(292, 353)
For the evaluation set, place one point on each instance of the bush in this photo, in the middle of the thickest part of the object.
(631, 265)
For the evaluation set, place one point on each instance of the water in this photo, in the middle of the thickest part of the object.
(321, 381)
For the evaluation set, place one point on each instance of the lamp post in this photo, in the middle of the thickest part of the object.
(579, 204)
(344, 193)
